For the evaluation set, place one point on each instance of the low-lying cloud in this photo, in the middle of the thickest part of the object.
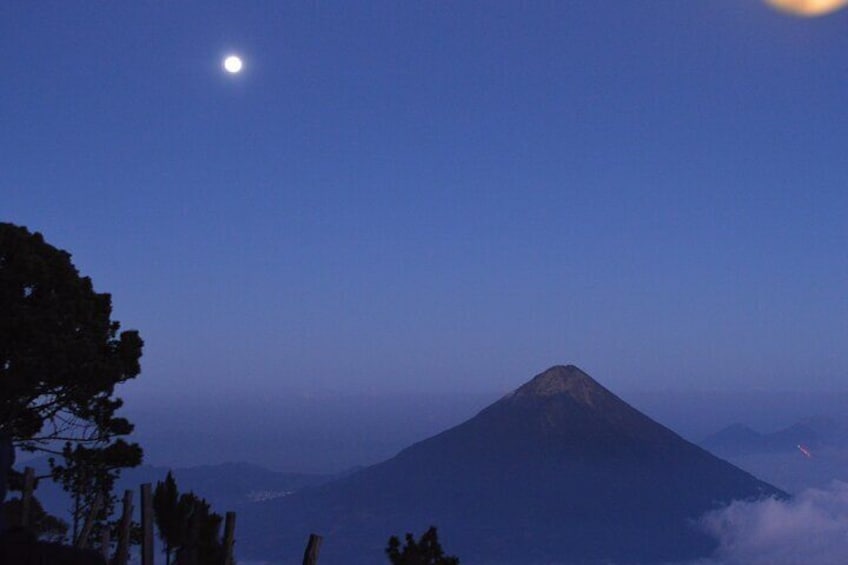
(811, 528)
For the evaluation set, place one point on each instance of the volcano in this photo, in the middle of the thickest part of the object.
(559, 471)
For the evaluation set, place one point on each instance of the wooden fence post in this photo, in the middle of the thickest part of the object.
(146, 525)
(123, 551)
(82, 541)
(26, 496)
(310, 556)
(229, 537)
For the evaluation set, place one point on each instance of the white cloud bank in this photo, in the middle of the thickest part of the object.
(809, 529)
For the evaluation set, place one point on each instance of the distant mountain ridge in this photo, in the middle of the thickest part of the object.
(559, 471)
(739, 439)
(812, 432)
(227, 486)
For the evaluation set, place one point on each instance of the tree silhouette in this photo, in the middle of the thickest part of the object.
(187, 525)
(170, 521)
(61, 357)
(426, 551)
(202, 542)
(60, 353)
(87, 472)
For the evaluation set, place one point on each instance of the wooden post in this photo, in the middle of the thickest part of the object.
(310, 556)
(26, 496)
(146, 525)
(105, 542)
(82, 541)
(229, 537)
(122, 554)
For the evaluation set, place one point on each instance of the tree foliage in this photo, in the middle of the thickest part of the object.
(87, 472)
(426, 551)
(61, 356)
(60, 353)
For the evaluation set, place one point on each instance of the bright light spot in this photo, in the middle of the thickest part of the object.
(232, 64)
(808, 8)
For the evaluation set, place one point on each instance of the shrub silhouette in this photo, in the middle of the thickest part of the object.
(426, 551)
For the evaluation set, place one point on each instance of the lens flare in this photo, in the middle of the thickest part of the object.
(808, 8)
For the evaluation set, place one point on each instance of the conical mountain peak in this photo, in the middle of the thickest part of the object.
(564, 379)
(562, 470)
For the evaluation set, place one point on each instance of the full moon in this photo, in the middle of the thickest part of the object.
(232, 64)
(808, 8)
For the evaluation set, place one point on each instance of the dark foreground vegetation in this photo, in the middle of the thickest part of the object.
(61, 357)
(425, 551)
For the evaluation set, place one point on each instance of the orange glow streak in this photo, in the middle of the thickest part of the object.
(808, 8)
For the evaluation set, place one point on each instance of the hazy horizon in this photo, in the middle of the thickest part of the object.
(333, 432)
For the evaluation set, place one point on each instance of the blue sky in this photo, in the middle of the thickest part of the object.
(401, 196)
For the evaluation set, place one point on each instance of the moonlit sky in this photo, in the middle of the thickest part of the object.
(402, 196)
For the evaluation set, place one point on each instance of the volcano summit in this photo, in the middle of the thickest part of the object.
(559, 471)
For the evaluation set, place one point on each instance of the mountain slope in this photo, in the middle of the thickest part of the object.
(559, 471)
